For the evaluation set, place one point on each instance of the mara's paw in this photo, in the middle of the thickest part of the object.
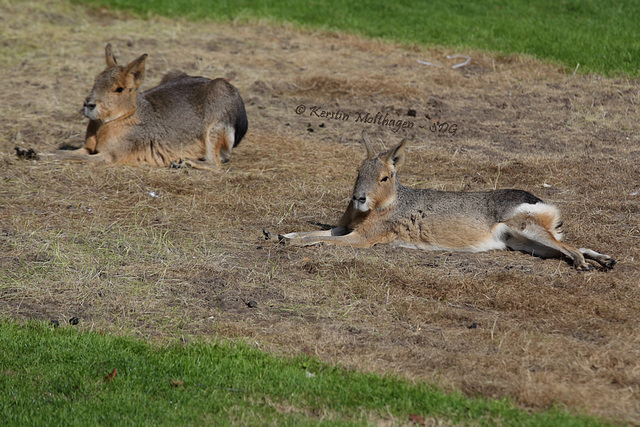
(28, 154)
(193, 164)
(181, 164)
(608, 263)
(584, 267)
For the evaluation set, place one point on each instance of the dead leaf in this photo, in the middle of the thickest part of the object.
(112, 375)
(177, 383)
(417, 419)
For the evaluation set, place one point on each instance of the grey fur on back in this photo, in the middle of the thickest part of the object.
(178, 109)
(495, 204)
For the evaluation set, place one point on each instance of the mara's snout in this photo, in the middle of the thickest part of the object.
(89, 109)
(360, 203)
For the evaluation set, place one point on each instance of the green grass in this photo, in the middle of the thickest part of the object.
(56, 375)
(603, 37)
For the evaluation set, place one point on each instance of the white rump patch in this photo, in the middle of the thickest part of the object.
(538, 208)
(541, 209)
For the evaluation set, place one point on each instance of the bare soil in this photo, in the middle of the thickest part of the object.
(169, 254)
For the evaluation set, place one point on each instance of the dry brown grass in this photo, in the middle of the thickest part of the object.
(93, 243)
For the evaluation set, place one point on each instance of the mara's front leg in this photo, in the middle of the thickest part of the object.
(80, 154)
(304, 238)
(334, 236)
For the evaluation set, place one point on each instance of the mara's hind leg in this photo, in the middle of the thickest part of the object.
(212, 145)
(227, 145)
(604, 260)
(197, 156)
(220, 142)
(528, 235)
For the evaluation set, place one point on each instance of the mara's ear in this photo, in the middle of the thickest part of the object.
(367, 144)
(135, 70)
(395, 156)
(111, 59)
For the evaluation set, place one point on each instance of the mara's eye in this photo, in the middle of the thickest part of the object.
(119, 89)
(384, 179)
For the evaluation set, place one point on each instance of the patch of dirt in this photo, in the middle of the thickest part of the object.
(180, 253)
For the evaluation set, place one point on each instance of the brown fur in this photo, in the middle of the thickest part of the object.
(383, 211)
(184, 120)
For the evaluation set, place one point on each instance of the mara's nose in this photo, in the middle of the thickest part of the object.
(361, 199)
(89, 105)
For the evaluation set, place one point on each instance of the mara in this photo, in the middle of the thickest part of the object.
(382, 210)
(185, 120)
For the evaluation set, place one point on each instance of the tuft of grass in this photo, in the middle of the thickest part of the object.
(587, 35)
(56, 375)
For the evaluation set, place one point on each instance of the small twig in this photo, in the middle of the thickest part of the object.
(493, 327)
(462, 64)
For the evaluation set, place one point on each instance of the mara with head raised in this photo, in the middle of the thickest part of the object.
(382, 210)
(184, 120)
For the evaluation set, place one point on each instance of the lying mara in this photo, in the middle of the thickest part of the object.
(382, 210)
(184, 120)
